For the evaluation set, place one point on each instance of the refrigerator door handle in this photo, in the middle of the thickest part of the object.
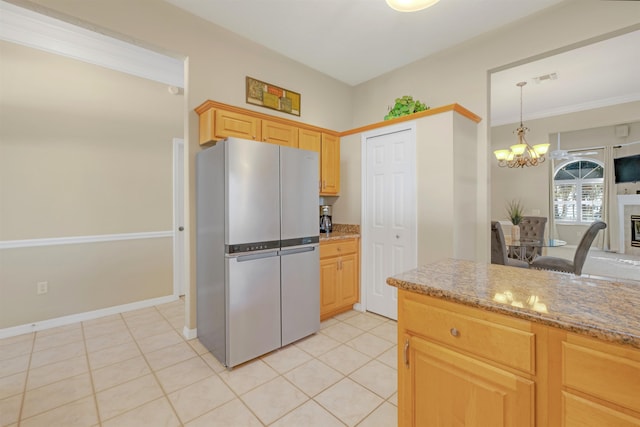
(297, 250)
(251, 257)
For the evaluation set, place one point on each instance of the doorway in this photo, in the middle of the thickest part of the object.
(178, 218)
(389, 238)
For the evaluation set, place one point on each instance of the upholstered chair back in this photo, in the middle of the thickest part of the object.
(532, 228)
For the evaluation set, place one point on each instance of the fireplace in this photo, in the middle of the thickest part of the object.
(629, 220)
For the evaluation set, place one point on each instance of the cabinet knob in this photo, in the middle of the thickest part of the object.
(454, 332)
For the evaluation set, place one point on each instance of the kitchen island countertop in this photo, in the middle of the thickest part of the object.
(604, 309)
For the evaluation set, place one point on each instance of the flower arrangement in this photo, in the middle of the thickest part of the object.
(515, 210)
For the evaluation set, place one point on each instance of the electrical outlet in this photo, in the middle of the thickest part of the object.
(43, 288)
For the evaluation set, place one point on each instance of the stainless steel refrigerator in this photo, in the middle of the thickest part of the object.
(258, 264)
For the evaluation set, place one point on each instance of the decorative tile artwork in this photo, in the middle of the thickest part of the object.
(274, 97)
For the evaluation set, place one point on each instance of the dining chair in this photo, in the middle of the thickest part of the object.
(499, 248)
(571, 266)
(532, 228)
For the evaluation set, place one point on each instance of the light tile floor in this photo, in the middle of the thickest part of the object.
(135, 369)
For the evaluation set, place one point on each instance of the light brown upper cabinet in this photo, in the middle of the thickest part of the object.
(228, 123)
(328, 147)
(219, 121)
(279, 133)
(330, 165)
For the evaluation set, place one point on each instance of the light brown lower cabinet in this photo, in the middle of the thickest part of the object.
(600, 383)
(339, 276)
(457, 368)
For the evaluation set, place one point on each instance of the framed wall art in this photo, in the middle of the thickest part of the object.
(271, 96)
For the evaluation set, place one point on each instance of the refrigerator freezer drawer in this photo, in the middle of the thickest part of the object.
(300, 293)
(253, 306)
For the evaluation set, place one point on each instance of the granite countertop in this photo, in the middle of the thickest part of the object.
(341, 231)
(598, 308)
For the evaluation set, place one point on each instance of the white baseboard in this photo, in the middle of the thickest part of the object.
(190, 334)
(359, 307)
(80, 317)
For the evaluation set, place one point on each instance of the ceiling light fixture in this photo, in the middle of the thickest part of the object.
(521, 154)
(410, 5)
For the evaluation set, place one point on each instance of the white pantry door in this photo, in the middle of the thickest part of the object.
(389, 236)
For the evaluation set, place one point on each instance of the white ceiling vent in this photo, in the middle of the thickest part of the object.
(545, 78)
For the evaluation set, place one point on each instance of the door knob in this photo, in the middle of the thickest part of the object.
(397, 236)
(181, 228)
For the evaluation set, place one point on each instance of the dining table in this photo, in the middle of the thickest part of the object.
(518, 248)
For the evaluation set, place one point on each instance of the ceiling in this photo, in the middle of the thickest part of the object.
(595, 75)
(356, 40)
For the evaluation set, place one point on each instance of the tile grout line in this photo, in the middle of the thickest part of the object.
(153, 372)
(20, 419)
(93, 386)
(26, 379)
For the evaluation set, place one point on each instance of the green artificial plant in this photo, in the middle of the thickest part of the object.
(515, 211)
(404, 106)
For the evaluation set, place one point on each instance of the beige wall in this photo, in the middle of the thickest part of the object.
(217, 62)
(74, 162)
(459, 75)
(81, 278)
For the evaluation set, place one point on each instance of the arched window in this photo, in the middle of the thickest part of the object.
(578, 192)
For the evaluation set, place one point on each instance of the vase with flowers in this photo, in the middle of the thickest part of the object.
(515, 210)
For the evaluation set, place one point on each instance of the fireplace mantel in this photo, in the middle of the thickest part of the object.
(625, 200)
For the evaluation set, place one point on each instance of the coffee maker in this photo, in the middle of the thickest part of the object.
(325, 219)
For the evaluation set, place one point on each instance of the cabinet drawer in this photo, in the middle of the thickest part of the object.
(337, 248)
(603, 375)
(578, 412)
(503, 344)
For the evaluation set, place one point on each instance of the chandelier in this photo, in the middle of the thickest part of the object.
(521, 154)
(410, 5)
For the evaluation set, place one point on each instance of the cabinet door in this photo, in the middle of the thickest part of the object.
(348, 284)
(278, 133)
(443, 388)
(228, 123)
(330, 164)
(328, 286)
(309, 140)
(312, 140)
